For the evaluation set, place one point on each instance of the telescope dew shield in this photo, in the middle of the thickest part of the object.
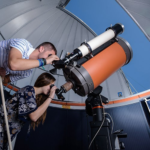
(109, 34)
(96, 70)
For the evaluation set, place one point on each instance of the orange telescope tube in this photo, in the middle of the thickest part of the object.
(101, 66)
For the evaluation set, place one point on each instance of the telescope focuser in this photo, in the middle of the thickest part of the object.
(58, 92)
(63, 89)
(75, 55)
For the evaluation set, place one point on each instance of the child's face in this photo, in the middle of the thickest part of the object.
(46, 89)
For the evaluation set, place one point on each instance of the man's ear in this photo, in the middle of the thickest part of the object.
(41, 49)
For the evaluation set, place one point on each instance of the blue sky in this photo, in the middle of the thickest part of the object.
(100, 14)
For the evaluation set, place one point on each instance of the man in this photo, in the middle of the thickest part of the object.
(18, 58)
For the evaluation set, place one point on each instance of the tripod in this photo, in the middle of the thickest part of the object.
(104, 139)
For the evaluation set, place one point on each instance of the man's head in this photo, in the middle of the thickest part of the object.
(45, 49)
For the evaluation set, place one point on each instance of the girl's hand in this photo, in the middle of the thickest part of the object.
(52, 91)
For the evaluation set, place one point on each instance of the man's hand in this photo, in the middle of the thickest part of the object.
(2, 72)
(51, 58)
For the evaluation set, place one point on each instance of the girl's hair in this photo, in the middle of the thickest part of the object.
(43, 80)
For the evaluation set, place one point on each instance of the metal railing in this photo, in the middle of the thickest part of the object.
(5, 113)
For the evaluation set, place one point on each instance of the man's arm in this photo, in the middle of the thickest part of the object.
(16, 62)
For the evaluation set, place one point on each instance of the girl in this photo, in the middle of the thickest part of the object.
(29, 103)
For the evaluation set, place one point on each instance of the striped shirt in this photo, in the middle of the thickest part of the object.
(24, 47)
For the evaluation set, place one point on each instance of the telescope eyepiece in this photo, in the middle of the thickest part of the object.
(58, 92)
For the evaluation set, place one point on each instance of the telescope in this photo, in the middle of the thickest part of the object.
(93, 62)
(90, 46)
(85, 69)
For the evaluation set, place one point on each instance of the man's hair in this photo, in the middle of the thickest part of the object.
(48, 45)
